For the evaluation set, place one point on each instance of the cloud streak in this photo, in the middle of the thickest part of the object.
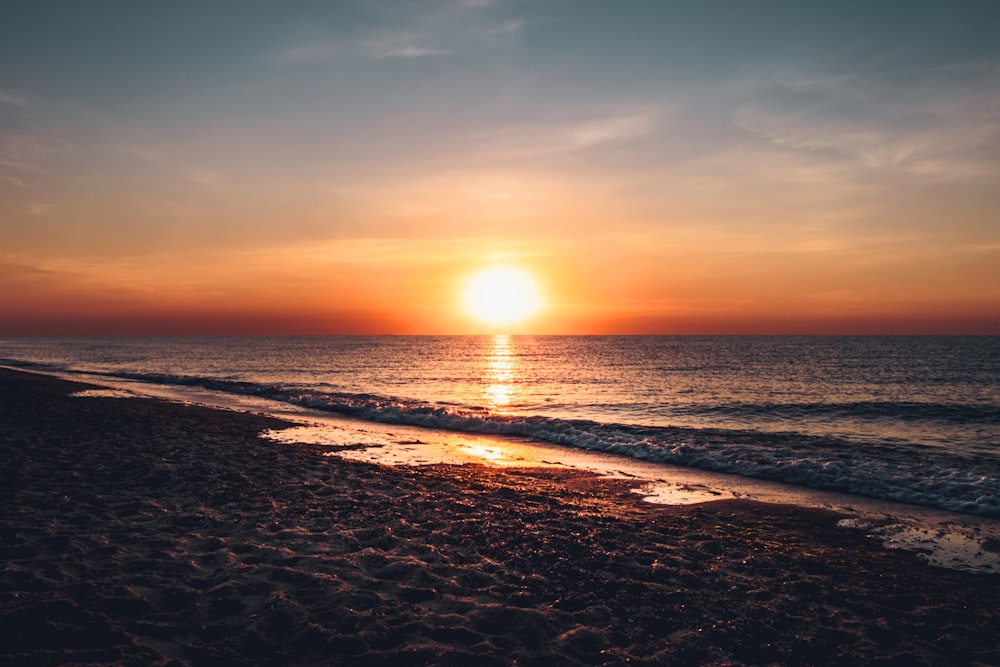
(611, 129)
(10, 99)
(29, 151)
(559, 137)
(404, 48)
(406, 32)
(931, 122)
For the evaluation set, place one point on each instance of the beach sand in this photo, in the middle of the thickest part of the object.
(144, 532)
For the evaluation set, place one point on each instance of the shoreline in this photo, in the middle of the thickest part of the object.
(158, 533)
(944, 538)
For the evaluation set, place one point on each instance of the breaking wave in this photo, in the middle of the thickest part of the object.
(904, 472)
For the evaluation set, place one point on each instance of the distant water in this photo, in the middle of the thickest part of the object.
(911, 419)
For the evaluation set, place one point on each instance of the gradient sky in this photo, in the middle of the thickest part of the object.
(342, 167)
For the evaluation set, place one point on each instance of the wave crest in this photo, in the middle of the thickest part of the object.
(906, 472)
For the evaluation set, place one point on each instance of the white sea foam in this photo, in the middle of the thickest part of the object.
(961, 483)
(104, 393)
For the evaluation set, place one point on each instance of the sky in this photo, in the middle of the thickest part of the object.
(667, 167)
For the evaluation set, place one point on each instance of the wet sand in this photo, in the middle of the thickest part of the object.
(143, 532)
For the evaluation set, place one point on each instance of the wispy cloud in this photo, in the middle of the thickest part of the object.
(28, 151)
(214, 180)
(146, 153)
(401, 44)
(933, 122)
(312, 51)
(928, 145)
(563, 136)
(423, 30)
(13, 100)
(181, 168)
(404, 49)
(610, 129)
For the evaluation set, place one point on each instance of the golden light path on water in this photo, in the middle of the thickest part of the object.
(501, 377)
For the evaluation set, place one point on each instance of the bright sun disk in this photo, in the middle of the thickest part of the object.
(501, 296)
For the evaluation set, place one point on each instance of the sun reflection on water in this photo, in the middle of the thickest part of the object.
(489, 453)
(500, 374)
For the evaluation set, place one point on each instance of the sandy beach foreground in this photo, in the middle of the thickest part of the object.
(143, 532)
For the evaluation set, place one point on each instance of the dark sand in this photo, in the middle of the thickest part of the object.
(142, 532)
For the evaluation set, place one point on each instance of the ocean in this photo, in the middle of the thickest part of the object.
(907, 419)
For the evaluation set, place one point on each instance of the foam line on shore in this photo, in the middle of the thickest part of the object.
(956, 539)
(967, 482)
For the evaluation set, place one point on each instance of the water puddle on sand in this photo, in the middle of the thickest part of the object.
(945, 539)
(949, 544)
(414, 446)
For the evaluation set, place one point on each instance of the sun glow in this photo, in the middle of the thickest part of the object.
(501, 296)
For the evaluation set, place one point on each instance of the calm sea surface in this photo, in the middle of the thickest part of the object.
(913, 419)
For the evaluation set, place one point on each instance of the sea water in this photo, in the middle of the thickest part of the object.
(908, 419)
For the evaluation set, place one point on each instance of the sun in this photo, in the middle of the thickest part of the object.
(501, 296)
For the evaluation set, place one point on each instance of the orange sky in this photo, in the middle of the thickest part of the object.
(672, 168)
